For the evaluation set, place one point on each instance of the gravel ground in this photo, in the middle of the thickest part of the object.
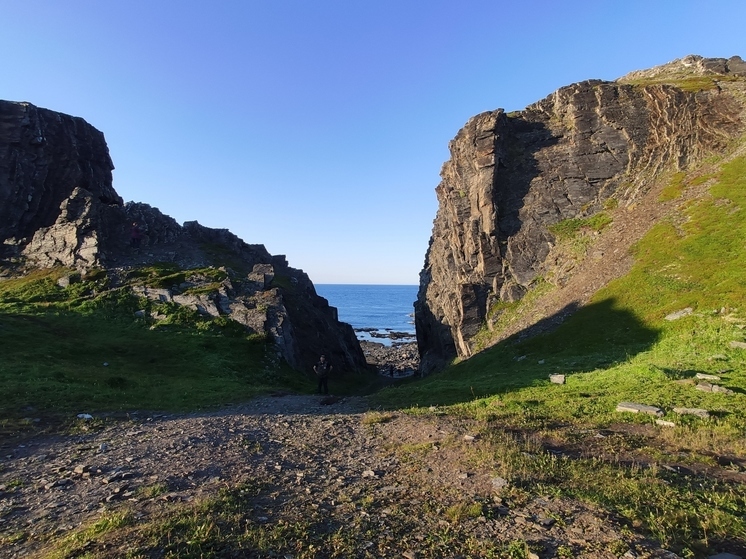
(316, 457)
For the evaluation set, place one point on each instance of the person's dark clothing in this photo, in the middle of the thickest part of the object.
(322, 369)
(135, 236)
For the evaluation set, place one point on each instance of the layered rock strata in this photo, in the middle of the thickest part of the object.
(512, 176)
(58, 208)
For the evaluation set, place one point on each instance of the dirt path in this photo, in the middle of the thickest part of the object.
(329, 460)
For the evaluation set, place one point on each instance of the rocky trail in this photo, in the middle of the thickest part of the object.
(395, 480)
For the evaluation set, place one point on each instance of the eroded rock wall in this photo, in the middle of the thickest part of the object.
(51, 163)
(511, 176)
(58, 208)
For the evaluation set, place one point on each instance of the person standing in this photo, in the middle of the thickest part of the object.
(322, 370)
(136, 235)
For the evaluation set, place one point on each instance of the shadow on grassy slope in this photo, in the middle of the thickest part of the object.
(65, 362)
(598, 335)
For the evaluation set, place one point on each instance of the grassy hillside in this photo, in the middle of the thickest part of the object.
(83, 349)
(621, 348)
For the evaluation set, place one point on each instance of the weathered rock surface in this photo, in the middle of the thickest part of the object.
(512, 176)
(58, 208)
(395, 361)
(52, 167)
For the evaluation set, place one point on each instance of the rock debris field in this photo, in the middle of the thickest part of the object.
(330, 460)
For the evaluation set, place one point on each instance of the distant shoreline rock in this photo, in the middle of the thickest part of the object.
(398, 360)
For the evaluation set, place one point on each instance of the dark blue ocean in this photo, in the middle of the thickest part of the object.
(383, 308)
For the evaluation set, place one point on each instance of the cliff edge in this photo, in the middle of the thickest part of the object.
(58, 209)
(514, 178)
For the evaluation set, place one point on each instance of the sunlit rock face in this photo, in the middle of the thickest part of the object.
(512, 176)
(58, 208)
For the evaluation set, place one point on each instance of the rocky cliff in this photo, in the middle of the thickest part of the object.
(58, 208)
(513, 178)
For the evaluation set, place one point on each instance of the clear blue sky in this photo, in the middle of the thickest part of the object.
(318, 128)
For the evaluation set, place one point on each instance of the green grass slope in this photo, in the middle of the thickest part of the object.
(83, 349)
(621, 348)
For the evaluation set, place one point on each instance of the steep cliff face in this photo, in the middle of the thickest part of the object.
(51, 164)
(511, 177)
(58, 208)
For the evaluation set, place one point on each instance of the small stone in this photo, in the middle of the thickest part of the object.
(664, 423)
(721, 389)
(469, 438)
(638, 408)
(737, 345)
(547, 522)
(703, 376)
(499, 482)
(557, 379)
(679, 314)
(704, 414)
(707, 387)
(57, 483)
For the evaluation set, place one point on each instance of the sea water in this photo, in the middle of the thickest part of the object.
(374, 310)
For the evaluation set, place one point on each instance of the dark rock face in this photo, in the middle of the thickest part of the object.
(51, 164)
(58, 208)
(512, 176)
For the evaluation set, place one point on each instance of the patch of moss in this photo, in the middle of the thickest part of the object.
(282, 282)
(686, 83)
(568, 228)
(674, 188)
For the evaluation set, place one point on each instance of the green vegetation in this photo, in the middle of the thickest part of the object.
(685, 83)
(679, 182)
(620, 348)
(228, 526)
(674, 188)
(167, 275)
(81, 348)
(568, 228)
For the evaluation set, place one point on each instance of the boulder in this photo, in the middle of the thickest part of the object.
(638, 408)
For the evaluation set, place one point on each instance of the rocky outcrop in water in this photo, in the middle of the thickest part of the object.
(512, 176)
(58, 208)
